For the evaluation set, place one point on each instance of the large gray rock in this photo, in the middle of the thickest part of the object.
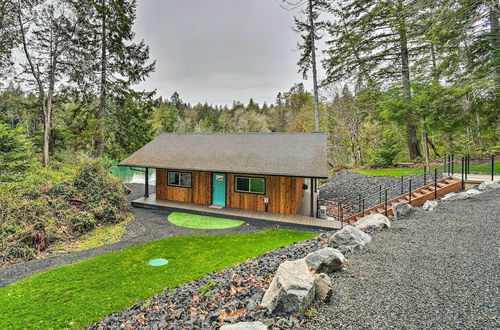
(292, 289)
(429, 205)
(350, 238)
(455, 196)
(324, 287)
(245, 326)
(489, 185)
(373, 221)
(325, 260)
(400, 209)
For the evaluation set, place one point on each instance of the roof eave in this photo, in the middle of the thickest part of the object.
(225, 171)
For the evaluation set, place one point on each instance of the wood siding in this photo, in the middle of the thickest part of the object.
(284, 193)
(199, 193)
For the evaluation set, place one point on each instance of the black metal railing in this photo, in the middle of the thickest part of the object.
(380, 196)
(417, 178)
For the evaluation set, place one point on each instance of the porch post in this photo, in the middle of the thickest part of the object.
(146, 183)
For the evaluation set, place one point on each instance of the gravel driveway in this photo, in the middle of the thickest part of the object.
(148, 225)
(431, 270)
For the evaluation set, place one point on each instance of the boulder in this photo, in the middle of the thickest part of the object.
(292, 289)
(324, 287)
(400, 209)
(245, 326)
(373, 221)
(429, 205)
(325, 260)
(472, 192)
(489, 185)
(350, 238)
(455, 196)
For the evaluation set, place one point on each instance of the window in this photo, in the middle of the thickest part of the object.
(251, 185)
(179, 179)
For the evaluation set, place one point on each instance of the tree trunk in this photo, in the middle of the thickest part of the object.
(103, 87)
(434, 149)
(411, 129)
(312, 32)
(495, 40)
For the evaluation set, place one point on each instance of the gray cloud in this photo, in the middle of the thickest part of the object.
(219, 50)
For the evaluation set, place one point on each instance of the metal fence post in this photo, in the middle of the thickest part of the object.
(492, 167)
(338, 211)
(425, 175)
(467, 160)
(401, 180)
(435, 182)
(463, 170)
(409, 190)
(386, 202)
(452, 164)
(380, 194)
(359, 202)
(363, 208)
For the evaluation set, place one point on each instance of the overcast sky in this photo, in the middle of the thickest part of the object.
(219, 50)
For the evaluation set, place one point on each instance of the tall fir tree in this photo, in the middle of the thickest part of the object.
(309, 30)
(376, 39)
(108, 62)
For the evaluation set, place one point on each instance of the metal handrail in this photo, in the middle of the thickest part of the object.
(346, 205)
(342, 208)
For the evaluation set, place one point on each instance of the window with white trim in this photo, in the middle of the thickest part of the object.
(248, 184)
(179, 179)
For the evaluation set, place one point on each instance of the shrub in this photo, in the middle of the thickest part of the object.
(389, 150)
(34, 216)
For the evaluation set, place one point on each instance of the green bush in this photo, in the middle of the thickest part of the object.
(387, 153)
(62, 210)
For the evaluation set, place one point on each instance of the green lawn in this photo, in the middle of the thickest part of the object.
(202, 221)
(76, 295)
(479, 168)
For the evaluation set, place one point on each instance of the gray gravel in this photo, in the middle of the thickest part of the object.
(438, 269)
(148, 225)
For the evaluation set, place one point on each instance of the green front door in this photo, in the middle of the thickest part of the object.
(219, 189)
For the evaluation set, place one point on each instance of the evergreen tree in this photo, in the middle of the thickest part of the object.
(107, 60)
(375, 39)
(309, 30)
(15, 153)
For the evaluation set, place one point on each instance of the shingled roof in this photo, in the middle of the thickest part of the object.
(286, 154)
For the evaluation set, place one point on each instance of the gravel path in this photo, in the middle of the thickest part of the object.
(431, 270)
(148, 225)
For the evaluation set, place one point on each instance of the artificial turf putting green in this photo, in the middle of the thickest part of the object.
(202, 221)
(80, 294)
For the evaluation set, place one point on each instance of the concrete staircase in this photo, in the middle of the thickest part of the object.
(417, 197)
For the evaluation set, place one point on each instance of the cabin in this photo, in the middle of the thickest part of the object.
(263, 172)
